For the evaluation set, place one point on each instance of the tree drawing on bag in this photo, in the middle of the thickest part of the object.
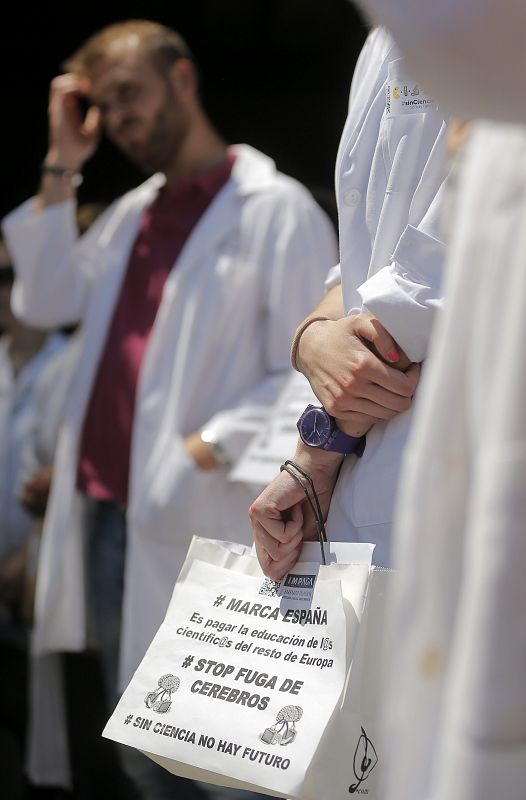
(365, 760)
(160, 699)
(284, 731)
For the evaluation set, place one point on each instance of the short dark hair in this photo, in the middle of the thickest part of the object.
(164, 45)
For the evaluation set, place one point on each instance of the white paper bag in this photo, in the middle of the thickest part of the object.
(349, 757)
(245, 683)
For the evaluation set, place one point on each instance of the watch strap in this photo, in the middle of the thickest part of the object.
(341, 442)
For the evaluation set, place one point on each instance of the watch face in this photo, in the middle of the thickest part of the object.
(315, 427)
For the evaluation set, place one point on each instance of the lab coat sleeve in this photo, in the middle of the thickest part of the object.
(406, 294)
(51, 263)
(299, 249)
(46, 410)
(334, 277)
(51, 398)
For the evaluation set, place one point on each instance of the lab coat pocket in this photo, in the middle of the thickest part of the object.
(185, 501)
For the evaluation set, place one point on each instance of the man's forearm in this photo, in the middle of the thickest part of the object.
(330, 307)
(331, 304)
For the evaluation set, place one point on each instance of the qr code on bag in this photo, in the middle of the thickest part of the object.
(269, 587)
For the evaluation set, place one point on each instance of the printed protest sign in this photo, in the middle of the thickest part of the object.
(238, 681)
(276, 442)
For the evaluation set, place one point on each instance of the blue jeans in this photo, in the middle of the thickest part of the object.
(106, 554)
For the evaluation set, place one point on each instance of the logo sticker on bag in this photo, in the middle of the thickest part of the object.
(270, 588)
(365, 760)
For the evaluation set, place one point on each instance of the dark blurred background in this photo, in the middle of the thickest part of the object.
(275, 74)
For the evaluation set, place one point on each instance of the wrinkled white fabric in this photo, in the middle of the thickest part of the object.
(456, 709)
(390, 173)
(219, 350)
(457, 706)
(22, 421)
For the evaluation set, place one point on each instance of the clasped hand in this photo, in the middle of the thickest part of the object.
(361, 376)
(357, 371)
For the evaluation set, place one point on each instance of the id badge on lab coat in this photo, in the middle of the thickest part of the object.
(403, 95)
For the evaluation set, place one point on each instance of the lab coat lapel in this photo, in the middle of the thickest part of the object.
(251, 173)
(216, 224)
(218, 221)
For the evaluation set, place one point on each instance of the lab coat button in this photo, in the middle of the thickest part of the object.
(353, 197)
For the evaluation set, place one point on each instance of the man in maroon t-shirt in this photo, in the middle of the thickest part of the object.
(188, 289)
(131, 97)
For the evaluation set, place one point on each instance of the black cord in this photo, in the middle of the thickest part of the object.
(318, 515)
(306, 482)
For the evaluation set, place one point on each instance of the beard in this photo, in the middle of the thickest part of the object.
(159, 148)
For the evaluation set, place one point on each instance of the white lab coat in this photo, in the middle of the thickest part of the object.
(457, 700)
(26, 400)
(20, 413)
(251, 269)
(50, 400)
(390, 171)
(31, 412)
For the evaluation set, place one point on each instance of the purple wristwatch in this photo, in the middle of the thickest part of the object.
(318, 429)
